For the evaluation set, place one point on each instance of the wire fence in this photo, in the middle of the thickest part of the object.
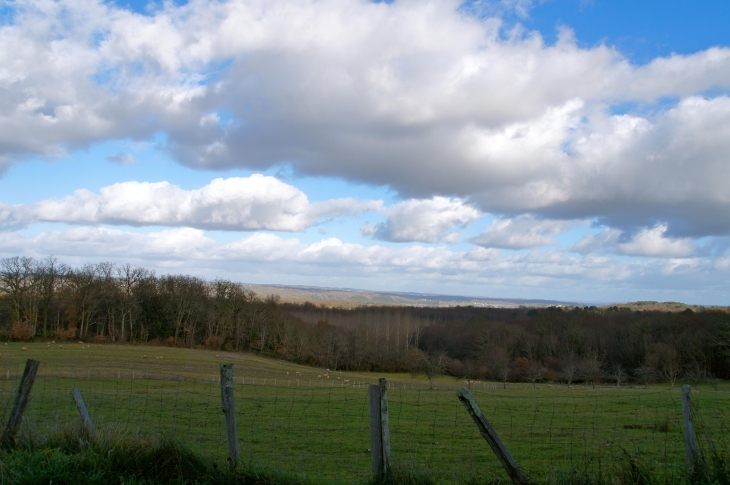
(320, 430)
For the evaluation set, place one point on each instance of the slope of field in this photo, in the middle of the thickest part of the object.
(318, 427)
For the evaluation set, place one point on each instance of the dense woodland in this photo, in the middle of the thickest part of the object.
(43, 299)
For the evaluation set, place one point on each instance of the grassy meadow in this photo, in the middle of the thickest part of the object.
(291, 420)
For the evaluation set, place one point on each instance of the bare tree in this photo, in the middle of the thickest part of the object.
(592, 369)
(19, 278)
(429, 365)
(665, 359)
(535, 372)
(51, 274)
(499, 362)
(129, 278)
(644, 374)
(618, 374)
(570, 371)
(468, 370)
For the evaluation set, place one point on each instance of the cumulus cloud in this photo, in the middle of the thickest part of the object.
(416, 95)
(653, 243)
(430, 220)
(237, 203)
(647, 242)
(522, 232)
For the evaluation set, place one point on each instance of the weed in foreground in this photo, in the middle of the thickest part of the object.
(72, 457)
(714, 470)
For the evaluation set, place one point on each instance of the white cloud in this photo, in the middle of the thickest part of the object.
(414, 94)
(651, 242)
(192, 247)
(236, 203)
(522, 232)
(430, 220)
(267, 255)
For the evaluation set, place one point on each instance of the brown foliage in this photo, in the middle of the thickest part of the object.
(522, 364)
(213, 343)
(21, 331)
(69, 334)
(100, 339)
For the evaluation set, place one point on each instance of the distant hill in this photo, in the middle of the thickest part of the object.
(666, 306)
(348, 298)
(351, 298)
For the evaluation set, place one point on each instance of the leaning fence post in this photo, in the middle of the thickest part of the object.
(514, 471)
(21, 400)
(229, 410)
(379, 428)
(690, 444)
(85, 418)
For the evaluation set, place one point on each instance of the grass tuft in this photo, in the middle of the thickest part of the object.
(712, 471)
(405, 473)
(70, 456)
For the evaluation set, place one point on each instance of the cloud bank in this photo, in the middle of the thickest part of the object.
(416, 95)
(262, 256)
(459, 117)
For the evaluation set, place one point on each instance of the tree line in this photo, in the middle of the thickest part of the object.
(45, 299)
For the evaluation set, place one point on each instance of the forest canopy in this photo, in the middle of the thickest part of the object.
(44, 299)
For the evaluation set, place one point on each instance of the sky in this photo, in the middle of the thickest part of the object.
(573, 150)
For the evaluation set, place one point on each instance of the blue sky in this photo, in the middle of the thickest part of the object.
(561, 149)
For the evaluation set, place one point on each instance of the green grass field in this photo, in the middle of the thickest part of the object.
(318, 428)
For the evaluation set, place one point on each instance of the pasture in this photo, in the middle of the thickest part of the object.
(292, 420)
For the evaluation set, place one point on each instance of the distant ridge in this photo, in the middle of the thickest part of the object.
(350, 297)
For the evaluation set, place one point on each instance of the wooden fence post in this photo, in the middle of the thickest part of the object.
(379, 428)
(376, 444)
(229, 410)
(514, 471)
(690, 444)
(21, 400)
(384, 424)
(85, 418)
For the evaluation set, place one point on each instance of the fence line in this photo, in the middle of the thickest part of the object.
(322, 432)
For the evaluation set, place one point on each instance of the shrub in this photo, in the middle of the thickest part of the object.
(213, 343)
(22, 330)
(69, 334)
